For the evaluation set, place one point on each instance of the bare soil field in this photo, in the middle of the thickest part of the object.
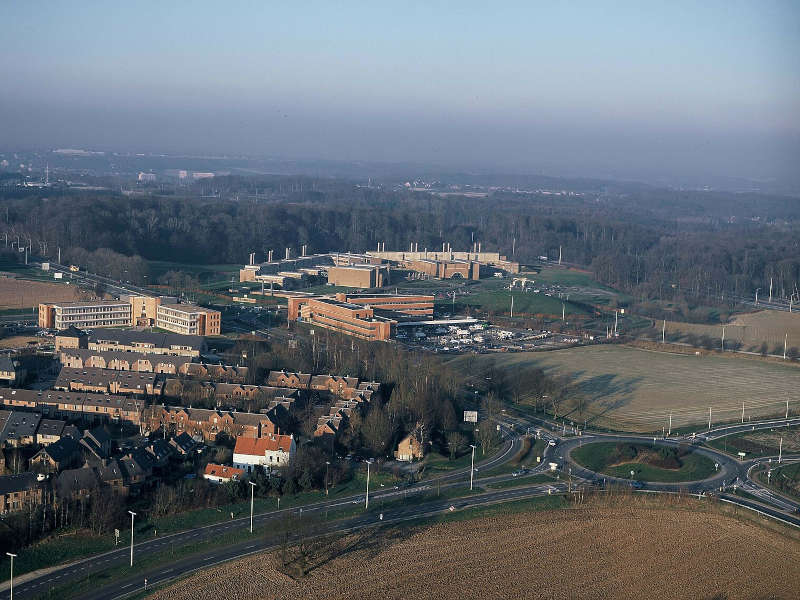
(21, 293)
(631, 389)
(18, 341)
(576, 553)
(751, 330)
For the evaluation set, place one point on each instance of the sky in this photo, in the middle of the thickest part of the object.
(640, 90)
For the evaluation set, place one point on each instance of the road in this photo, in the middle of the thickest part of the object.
(730, 471)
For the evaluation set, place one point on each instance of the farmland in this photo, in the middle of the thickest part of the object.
(598, 552)
(625, 388)
(750, 330)
(22, 293)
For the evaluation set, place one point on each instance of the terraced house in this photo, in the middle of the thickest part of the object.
(75, 405)
(208, 423)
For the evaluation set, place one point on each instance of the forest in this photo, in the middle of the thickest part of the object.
(655, 244)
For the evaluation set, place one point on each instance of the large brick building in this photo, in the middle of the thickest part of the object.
(408, 305)
(359, 276)
(351, 319)
(75, 405)
(129, 311)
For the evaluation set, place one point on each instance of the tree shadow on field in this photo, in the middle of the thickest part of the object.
(313, 551)
(603, 394)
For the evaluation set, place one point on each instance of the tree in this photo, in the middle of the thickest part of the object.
(487, 435)
(455, 443)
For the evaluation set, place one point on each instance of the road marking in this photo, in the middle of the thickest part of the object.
(122, 587)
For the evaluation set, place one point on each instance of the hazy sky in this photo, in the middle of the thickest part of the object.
(639, 89)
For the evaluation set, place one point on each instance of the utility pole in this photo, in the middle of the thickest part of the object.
(669, 432)
(742, 412)
(780, 452)
(723, 339)
(757, 296)
(133, 514)
(327, 464)
(664, 332)
(252, 492)
(787, 410)
(785, 342)
(709, 418)
(563, 312)
(559, 255)
(616, 320)
(472, 467)
(512, 304)
(770, 289)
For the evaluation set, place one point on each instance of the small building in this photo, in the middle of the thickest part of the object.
(19, 491)
(96, 444)
(271, 452)
(11, 371)
(222, 473)
(20, 428)
(183, 444)
(71, 337)
(411, 447)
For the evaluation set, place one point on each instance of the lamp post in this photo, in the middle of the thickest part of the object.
(327, 464)
(366, 498)
(133, 514)
(11, 587)
(252, 491)
(472, 466)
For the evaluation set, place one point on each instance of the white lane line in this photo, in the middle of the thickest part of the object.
(127, 585)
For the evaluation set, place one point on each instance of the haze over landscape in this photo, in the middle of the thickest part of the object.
(372, 300)
(681, 93)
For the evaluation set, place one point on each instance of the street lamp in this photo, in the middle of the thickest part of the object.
(133, 514)
(252, 491)
(472, 466)
(327, 464)
(366, 498)
(13, 556)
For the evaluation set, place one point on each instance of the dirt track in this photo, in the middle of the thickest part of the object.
(584, 553)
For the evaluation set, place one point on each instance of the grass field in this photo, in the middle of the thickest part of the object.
(750, 330)
(761, 443)
(625, 388)
(593, 552)
(600, 458)
(22, 293)
(494, 297)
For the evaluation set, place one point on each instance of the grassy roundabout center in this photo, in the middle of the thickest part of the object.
(649, 462)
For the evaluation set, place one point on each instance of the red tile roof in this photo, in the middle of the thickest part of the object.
(259, 446)
(223, 471)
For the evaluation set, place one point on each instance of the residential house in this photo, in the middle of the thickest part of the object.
(11, 371)
(73, 484)
(222, 473)
(19, 491)
(79, 358)
(20, 428)
(183, 444)
(411, 447)
(160, 451)
(57, 456)
(298, 381)
(49, 431)
(109, 472)
(271, 452)
(71, 337)
(209, 423)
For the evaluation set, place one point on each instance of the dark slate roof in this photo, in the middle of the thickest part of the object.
(72, 332)
(51, 427)
(159, 339)
(184, 441)
(99, 434)
(109, 471)
(17, 483)
(61, 450)
(20, 424)
(72, 480)
(7, 363)
(72, 431)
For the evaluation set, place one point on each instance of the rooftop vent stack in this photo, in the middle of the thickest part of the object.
(443, 247)
(379, 247)
(304, 249)
(288, 253)
(269, 256)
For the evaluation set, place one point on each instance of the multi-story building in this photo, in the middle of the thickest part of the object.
(19, 491)
(146, 342)
(407, 305)
(85, 315)
(359, 276)
(131, 311)
(208, 423)
(109, 381)
(75, 405)
(80, 358)
(351, 319)
(188, 319)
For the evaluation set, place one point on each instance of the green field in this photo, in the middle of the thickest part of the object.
(493, 296)
(600, 458)
(628, 389)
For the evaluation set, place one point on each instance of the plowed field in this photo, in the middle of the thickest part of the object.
(583, 553)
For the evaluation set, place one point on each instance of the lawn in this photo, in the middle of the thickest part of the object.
(760, 443)
(629, 389)
(600, 457)
(522, 480)
(494, 297)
